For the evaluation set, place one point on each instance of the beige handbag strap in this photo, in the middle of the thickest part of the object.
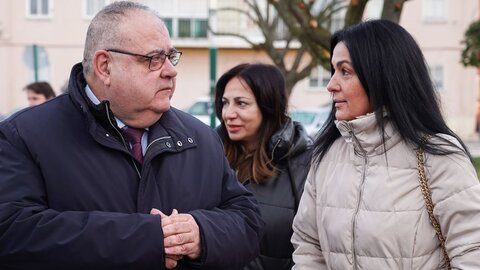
(427, 196)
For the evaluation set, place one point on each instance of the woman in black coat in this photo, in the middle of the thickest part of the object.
(270, 153)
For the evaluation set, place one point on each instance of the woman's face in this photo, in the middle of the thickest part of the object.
(240, 113)
(347, 91)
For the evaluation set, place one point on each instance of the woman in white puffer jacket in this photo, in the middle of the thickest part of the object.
(363, 207)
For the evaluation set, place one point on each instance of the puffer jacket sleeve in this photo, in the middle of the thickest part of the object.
(34, 236)
(456, 197)
(232, 231)
(307, 254)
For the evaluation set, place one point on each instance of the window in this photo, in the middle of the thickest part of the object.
(374, 9)
(337, 22)
(434, 10)
(199, 28)
(39, 8)
(169, 24)
(37, 63)
(319, 77)
(281, 31)
(183, 18)
(184, 28)
(436, 73)
(337, 13)
(92, 7)
(194, 28)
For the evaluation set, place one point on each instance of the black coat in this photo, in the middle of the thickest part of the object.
(72, 196)
(290, 149)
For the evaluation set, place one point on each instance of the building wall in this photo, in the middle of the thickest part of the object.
(63, 35)
(441, 45)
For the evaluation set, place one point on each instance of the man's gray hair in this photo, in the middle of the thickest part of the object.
(104, 29)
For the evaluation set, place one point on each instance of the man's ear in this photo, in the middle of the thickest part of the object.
(102, 62)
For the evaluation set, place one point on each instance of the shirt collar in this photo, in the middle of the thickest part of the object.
(95, 101)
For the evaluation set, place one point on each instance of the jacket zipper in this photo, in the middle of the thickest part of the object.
(123, 140)
(147, 164)
(355, 215)
(156, 140)
(273, 150)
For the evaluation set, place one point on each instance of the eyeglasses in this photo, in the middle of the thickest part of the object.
(155, 62)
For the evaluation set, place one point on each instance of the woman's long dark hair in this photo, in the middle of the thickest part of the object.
(394, 74)
(268, 86)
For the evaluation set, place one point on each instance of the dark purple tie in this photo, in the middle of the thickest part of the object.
(134, 136)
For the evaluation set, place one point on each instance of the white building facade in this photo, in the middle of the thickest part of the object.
(43, 39)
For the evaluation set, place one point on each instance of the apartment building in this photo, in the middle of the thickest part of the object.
(43, 39)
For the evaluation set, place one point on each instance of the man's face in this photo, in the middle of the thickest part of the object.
(138, 95)
(34, 98)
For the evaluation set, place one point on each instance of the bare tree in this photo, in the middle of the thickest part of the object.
(309, 28)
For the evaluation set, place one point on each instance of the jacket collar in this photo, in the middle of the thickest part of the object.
(365, 135)
(100, 118)
(99, 113)
(290, 140)
(170, 124)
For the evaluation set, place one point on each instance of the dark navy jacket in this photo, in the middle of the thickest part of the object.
(73, 197)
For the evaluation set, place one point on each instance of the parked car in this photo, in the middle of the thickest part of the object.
(202, 109)
(312, 118)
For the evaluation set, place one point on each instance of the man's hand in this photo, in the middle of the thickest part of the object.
(171, 261)
(181, 236)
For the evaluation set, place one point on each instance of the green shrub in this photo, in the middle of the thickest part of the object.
(476, 162)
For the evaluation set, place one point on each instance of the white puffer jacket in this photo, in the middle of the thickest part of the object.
(362, 207)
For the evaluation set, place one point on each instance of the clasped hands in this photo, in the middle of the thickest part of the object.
(181, 237)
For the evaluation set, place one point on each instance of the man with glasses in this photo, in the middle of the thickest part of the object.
(109, 176)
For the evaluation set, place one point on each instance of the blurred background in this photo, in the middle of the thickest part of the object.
(40, 40)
